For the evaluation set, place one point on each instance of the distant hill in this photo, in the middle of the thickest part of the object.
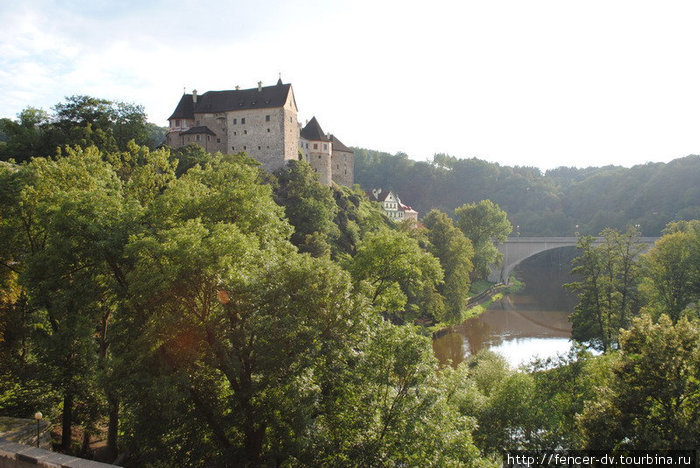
(549, 204)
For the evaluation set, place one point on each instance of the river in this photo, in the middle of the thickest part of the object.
(524, 325)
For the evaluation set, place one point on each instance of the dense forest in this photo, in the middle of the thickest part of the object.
(197, 311)
(550, 204)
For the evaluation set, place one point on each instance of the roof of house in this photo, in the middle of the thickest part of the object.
(313, 131)
(337, 145)
(381, 196)
(198, 130)
(235, 99)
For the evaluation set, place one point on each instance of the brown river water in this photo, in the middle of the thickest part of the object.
(522, 326)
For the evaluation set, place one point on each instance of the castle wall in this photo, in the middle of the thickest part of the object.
(342, 167)
(261, 136)
(217, 124)
(290, 129)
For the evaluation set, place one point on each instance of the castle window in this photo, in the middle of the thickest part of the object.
(235, 133)
(259, 147)
(233, 148)
(268, 130)
(242, 120)
(299, 157)
(245, 147)
(218, 140)
(197, 123)
(267, 118)
(319, 156)
(325, 147)
(315, 145)
(235, 121)
(197, 137)
(208, 138)
(245, 132)
(177, 123)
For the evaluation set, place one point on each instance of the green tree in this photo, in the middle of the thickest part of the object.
(653, 402)
(607, 290)
(485, 225)
(28, 136)
(671, 270)
(399, 278)
(308, 205)
(455, 253)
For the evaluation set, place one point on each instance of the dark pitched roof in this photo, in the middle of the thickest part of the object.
(184, 109)
(236, 99)
(198, 130)
(381, 196)
(313, 131)
(337, 145)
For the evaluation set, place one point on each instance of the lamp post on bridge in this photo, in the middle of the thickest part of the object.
(576, 231)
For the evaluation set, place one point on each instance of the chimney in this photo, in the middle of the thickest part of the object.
(237, 87)
(259, 86)
(194, 96)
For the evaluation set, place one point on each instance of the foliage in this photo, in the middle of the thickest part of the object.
(671, 271)
(653, 402)
(485, 225)
(308, 205)
(455, 253)
(550, 204)
(398, 277)
(607, 290)
(79, 120)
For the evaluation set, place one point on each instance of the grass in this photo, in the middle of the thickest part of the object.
(479, 286)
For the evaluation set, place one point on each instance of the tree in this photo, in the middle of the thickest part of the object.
(79, 120)
(26, 137)
(485, 225)
(455, 253)
(399, 278)
(653, 402)
(607, 291)
(308, 205)
(671, 270)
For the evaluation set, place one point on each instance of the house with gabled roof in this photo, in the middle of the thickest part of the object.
(261, 122)
(392, 205)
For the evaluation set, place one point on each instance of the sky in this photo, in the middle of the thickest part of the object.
(542, 83)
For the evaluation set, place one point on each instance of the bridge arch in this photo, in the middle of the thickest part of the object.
(517, 249)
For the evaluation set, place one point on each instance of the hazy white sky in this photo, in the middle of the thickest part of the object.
(538, 83)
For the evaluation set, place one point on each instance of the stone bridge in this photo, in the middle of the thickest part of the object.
(517, 249)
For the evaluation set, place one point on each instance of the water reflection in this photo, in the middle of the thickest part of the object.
(531, 323)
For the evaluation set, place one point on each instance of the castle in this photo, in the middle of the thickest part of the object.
(263, 123)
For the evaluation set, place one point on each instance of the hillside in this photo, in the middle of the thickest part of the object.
(553, 203)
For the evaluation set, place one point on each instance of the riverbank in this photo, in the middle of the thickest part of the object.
(485, 294)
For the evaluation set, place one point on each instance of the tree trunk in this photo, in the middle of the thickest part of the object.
(113, 425)
(67, 421)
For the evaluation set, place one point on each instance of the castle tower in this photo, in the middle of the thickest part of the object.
(316, 148)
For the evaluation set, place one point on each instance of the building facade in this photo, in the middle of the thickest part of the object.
(392, 205)
(263, 123)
